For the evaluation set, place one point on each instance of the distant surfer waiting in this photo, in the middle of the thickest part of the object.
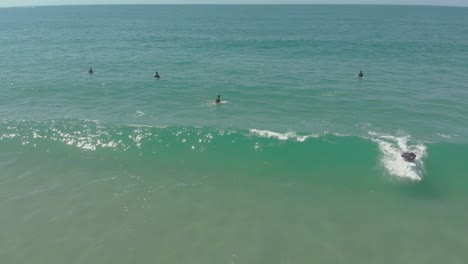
(90, 71)
(218, 100)
(156, 75)
(360, 75)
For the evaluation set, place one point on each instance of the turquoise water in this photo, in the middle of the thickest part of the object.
(301, 163)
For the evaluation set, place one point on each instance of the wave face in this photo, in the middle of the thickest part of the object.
(206, 145)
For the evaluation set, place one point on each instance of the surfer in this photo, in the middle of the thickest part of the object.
(90, 71)
(408, 156)
(360, 75)
(218, 100)
(156, 75)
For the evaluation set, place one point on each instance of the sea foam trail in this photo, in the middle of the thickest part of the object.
(281, 136)
(392, 147)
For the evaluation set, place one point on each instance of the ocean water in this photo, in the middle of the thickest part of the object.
(299, 164)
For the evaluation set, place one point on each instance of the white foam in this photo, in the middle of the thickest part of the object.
(281, 136)
(8, 136)
(445, 136)
(330, 94)
(392, 147)
(220, 103)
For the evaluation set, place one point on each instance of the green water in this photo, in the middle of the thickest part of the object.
(301, 163)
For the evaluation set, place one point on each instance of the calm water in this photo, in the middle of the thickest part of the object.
(301, 163)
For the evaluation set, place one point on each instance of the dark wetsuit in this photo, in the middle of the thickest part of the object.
(408, 156)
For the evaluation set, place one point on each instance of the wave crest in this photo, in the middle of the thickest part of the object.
(92, 135)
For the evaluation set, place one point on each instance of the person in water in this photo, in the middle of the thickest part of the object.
(360, 75)
(156, 75)
(218, 100)
(90, 71)
(408, 156)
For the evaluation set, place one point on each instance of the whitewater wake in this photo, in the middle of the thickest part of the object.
(391, 148)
